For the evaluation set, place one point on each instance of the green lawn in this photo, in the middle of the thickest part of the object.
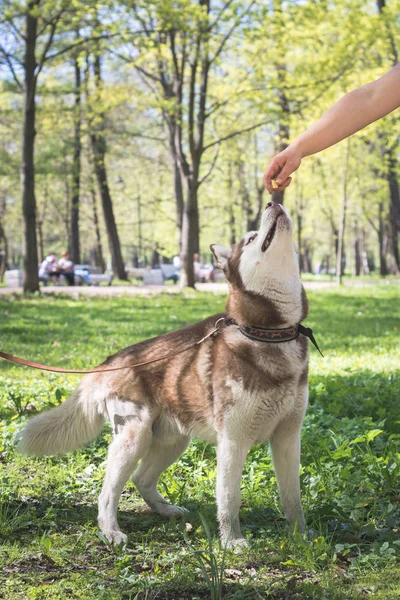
(49, 543)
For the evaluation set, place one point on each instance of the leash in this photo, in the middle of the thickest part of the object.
(255, 333)
(35, 365)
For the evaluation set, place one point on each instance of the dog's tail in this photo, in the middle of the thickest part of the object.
(67, 427)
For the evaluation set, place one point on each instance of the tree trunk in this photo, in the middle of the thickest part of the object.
(99, 152)
(382, 239)
(356, 258)
(99, 247)
(306, 259)
(356, 246)
(394, 210)
(41, 241)
(342, 224)
(255, 217)
(364, 256)
(393, 161)
(76, 169)
(3, 240)
(283, 130)
(189, 230)
(31, 278)
(177, 181)
(106, 201)
(299, 235)
(231, 211)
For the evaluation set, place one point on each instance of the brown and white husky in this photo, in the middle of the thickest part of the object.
(230, 390)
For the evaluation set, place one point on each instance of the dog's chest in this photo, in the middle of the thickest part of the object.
(261, 388)
(254, 413)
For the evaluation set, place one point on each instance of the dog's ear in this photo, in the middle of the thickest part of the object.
(222, 255)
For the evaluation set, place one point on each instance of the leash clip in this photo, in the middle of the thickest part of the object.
(215, 331)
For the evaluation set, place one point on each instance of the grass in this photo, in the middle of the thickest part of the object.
(49, 543)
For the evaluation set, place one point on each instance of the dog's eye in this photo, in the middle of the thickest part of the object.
(251, 239)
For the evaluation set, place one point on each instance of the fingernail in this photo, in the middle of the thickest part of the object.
(279, 181)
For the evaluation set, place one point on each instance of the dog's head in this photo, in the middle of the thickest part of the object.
(263, 274)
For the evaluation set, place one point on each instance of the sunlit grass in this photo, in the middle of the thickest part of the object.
(50, 546)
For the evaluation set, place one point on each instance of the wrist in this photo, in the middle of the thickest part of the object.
(297, 147)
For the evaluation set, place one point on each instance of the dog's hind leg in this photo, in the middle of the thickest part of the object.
(131, 442)
(160, 456)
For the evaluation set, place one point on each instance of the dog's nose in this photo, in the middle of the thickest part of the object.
(269, 205)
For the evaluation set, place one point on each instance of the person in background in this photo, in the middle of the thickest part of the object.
(353, 112)
(82, 274)
(48, 269)
(197, 266)
(177, 262)
(155, 258)
(203, 273)
(66, 268)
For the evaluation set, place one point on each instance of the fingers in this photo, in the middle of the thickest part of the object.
(272, 171)
(281, 167)
(285, 184)
(285, 173)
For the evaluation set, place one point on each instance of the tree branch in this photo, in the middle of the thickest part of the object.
(80, 42)
(11, 67)
(213, 163)
(221, 12)
(229, 33)
(234, 134)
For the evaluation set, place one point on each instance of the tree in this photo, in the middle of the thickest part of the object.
(99, 148)
(30, 26)
(76, 168)
(181, 49)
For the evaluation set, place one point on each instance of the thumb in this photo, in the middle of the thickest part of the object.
(285, 172)
(291, 163)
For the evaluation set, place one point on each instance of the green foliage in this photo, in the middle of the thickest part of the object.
(312, 52)
(49, 544)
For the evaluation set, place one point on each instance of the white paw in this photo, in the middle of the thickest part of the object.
(237, 544)
(115, 537)
(167, 510)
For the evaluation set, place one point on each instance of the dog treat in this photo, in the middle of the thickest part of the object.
(274, 184)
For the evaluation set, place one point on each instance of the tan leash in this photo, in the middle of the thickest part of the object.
(35, 365)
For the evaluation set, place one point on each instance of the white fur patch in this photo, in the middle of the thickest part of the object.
(273, 273)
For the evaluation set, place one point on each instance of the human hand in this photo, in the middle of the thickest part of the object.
(281, 167)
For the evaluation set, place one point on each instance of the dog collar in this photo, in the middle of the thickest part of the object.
(274, 336)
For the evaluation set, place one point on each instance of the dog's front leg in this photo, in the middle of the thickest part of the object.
(231, 456)
(285, 445)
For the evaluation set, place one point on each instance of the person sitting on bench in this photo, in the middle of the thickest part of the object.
(66, 268)
(48, 269)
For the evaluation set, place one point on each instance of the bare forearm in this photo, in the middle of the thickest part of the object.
(351, 113)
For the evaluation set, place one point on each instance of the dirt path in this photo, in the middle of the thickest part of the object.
(151, 290)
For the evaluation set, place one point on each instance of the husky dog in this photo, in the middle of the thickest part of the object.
(232, 389)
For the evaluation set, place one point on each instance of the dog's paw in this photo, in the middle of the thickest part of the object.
(169, 511)
(116, 537)
(237, 544)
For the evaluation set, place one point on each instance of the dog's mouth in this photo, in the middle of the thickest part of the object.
(269, 237)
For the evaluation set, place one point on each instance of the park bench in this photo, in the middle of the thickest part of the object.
(159, 276)
(96, 276)
(14, 278)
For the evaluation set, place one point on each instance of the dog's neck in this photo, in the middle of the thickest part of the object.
(283, 307)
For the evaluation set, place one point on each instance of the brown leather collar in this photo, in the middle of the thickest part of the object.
(274, 336)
